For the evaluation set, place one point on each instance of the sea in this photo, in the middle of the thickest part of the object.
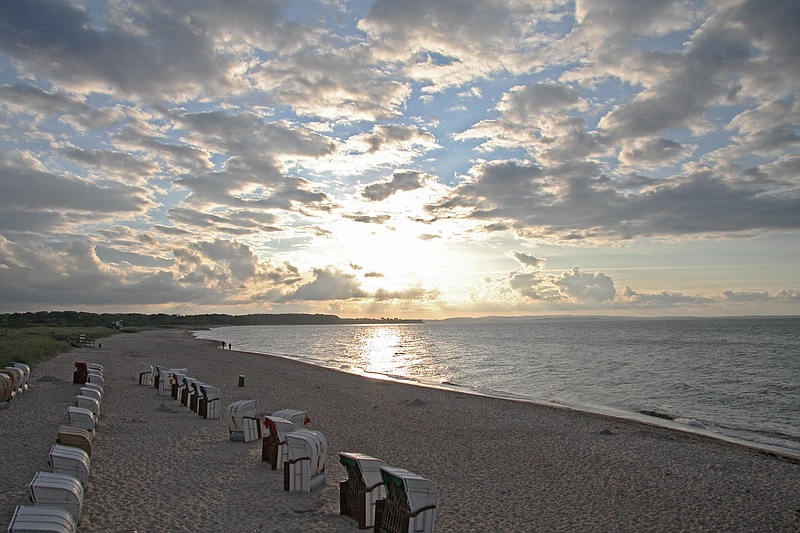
(736, 379)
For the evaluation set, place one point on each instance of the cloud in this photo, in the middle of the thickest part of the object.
(154, 51)
(328, 284)
(561, 201)
(627, 297)
(219, 153)
(529, 260)
(447, 44)
(401, 181)
(34, 199)
(584, 287)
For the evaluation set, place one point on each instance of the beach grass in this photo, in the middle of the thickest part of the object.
(32, 345)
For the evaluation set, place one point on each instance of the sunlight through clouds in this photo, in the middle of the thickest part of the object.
(387, 158)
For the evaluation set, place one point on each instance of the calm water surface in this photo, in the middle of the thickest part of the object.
(737, 377)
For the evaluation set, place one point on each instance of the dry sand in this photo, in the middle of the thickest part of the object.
(498, 465)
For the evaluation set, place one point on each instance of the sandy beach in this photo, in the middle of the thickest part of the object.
(498, 465)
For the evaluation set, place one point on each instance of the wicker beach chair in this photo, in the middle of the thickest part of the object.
(6, 387)
(304, 470)
(26, 371)
(361, 490)
(29, 518)
(76, 437)
(410, 503)
(90, 403)
(81, 372)
(145, 374)
(57, 490)
(243, 424)
(82, 418)
(70, 460)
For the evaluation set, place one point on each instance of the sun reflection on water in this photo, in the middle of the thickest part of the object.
(382, 352)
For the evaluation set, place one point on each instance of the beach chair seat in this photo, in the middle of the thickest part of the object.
(304, 470)
(361, 490)
(26, 371)
(90, 403)
(410, 503)
(81, 373)
(80, 417)
(91, 392)
(209, 404)
(75, 437)
(57, 490)
(70, 460)
(243, 424)
(274, 449)
(36, 518)
(145, 374)
(97, 366)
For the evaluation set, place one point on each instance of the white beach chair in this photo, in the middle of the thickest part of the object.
(243, 424)
(30, 518)
(90, 403)
(57, 490)
(95, 386)
(410, 503)
(26, 371)
(91, 392)
(96, 377)
(175, 384)
(304, 470)
(72, 461)
(164, 385)
(82, 418)
(361, 490)
(209, 404)
(185, 390)
(274, 449)
(194, 396)
(297, 417)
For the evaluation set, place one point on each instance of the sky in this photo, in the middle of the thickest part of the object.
(400, 158)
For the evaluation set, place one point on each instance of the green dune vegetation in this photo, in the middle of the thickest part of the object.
(33, 344)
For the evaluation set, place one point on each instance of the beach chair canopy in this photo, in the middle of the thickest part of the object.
(57, 490)
(308, 444)
(29, 518)
(419, 492)
(91, 392)
(88, 402)
(70, 460)
(295, 416)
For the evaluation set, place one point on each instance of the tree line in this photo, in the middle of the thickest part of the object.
(139, 320)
